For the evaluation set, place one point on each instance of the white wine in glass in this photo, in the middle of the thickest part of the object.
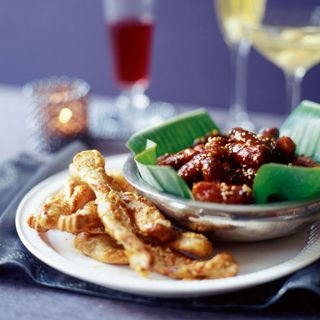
(231, 15)
(293, 49)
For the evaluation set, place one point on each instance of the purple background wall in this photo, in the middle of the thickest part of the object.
(190, 60)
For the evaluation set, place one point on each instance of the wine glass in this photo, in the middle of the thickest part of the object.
(130, 25)
(289, 36)
(231, 14)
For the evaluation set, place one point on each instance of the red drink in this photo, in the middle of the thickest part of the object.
(131, 44)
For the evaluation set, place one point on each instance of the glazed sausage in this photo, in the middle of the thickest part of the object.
(222, 193)
(176, 160)
(242, 135)
(251, 154)
(269, 133)
(286, 149)
(303, 161)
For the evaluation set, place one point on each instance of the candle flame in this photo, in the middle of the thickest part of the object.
(65, 115)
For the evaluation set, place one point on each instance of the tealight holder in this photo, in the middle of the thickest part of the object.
(57, 111)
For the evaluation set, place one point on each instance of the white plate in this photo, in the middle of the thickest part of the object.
(259, 262)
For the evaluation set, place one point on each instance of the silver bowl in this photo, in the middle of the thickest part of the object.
(228, 222)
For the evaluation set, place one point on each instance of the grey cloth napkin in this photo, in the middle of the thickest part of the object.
(18, 176)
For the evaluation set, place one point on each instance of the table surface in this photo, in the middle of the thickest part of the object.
(19, 296)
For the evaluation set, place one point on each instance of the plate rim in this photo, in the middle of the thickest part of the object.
(164, 288)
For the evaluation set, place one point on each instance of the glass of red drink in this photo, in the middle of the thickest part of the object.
(131, 41)
(130, 25)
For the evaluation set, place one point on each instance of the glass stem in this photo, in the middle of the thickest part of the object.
(132, 104)
(239, 62)
(293, 89)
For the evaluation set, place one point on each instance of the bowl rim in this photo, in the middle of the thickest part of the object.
(132, 175)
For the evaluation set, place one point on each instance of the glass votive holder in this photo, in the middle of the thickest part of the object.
(57, 111)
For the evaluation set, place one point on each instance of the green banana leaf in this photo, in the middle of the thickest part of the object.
(276, 181)
(175, 134)
(303, 126)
